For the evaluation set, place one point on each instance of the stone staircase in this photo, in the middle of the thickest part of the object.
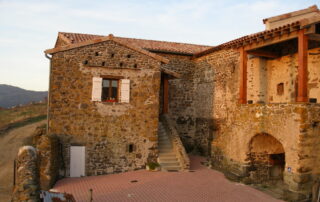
(167, 157)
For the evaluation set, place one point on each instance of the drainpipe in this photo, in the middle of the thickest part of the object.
(48, 98)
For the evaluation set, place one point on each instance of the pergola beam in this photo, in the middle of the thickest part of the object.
(262, 53)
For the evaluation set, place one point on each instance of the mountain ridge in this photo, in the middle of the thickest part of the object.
(12, 96)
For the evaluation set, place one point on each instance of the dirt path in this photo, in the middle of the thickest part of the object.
(9, 145)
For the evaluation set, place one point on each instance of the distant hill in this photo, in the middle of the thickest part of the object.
(12, 96)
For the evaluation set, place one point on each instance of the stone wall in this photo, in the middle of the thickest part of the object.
(49, 155)
(264, 75)
(181, 92)
(215, 84)
(232, 126)
(106, 129)
(27, 175)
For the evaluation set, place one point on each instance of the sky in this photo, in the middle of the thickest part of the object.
(28, 27)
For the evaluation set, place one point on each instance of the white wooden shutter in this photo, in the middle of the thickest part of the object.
(96, 88)
(125, 91)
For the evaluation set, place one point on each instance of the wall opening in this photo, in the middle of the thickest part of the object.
(130, 148)
(266, 159)
(280, 89)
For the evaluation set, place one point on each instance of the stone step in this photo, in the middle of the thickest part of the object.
(168, 160)
(164, 147)
(165, 150)
(167, 154)
(170, 164)
(171, 168)
(162, 139)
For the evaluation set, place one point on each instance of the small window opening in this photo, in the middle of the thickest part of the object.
(97, 53)
(130, 149)
(103, 63)
(112, 55)
(85, 62)
(121, 64)
(135, 66)
(280, 89)
(250, 101)
(109, 90)
(313, 100)
(129, 56)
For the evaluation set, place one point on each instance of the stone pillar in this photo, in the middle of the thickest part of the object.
(303, 67)
(49, 160)
(243, 76)
(27, 184)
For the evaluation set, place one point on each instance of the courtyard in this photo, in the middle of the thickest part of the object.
(200, 184)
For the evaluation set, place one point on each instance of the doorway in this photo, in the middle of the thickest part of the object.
(77, 161)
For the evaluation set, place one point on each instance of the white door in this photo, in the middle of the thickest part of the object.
(77, 161)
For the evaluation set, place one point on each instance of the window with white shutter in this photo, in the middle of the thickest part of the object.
(110, 90)
(96, 88)
(125, 91)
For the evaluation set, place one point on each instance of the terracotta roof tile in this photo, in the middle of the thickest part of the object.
(252, 38)
(151, 45)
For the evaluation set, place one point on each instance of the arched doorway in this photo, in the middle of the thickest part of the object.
(267, 158)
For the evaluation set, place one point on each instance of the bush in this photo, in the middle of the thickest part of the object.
(153, 165)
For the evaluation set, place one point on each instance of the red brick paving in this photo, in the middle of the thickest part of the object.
(202, 185)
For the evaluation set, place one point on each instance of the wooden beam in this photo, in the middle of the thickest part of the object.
(165, 108)
(170, 72)
(262, 53)
(314, 37)
(243, 76)
(302, 67)
(271, 41)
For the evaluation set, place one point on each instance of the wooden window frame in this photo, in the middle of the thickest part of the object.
(110, 88)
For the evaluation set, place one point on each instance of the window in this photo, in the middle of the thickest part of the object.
(109, 90)
(280, 89)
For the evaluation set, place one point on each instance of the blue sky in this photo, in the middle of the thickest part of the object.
(28, 27)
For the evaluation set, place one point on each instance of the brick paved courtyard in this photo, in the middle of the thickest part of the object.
(201, 185)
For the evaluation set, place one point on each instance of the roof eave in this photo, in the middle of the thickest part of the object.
(102, 39)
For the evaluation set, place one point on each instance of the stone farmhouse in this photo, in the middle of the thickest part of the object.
(251, 105)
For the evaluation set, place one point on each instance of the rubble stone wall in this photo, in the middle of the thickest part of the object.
(264, 76)
(215, 94)
(27, 186)
(181, 98)
(232, 126)
(106, 129)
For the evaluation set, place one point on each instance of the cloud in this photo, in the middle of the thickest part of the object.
(29, 27)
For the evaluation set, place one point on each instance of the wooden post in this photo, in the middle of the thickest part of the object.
(165, 95)
(243, 76)
(303, 67)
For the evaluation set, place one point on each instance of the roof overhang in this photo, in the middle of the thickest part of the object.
(268, 37)
(103, 39)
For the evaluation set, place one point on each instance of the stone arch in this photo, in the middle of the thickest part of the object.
(266, 158)
(263, 142)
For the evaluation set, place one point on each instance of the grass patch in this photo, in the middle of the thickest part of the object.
(20, 116)
(23, 123)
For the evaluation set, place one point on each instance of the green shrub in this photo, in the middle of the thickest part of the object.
(153, 165)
